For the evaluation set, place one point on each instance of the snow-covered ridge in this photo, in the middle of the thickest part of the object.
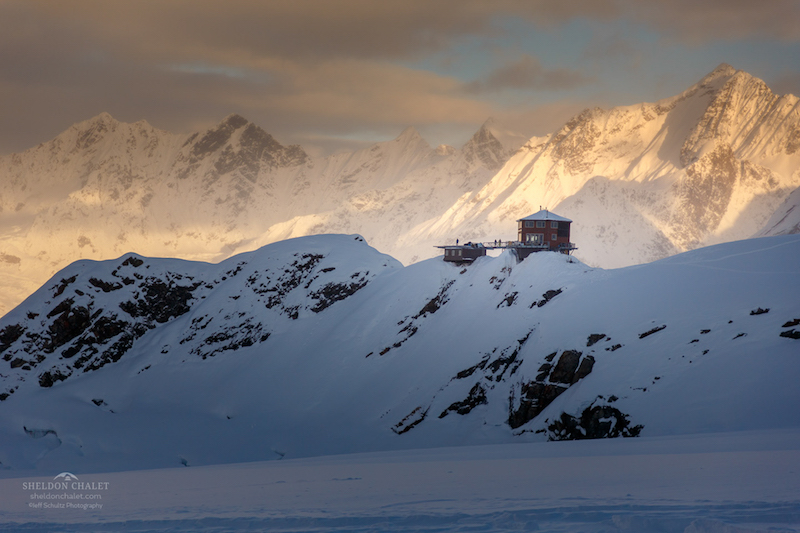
(323, 345)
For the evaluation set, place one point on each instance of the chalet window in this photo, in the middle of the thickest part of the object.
(553, 236)
(535, 238)
(554, 224)
(540, 223)
(529, 224)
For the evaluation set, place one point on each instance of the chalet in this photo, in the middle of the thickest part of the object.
(544, 229)
(539, 232)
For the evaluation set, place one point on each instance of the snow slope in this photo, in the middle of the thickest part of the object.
(322, 345)
(786, 219)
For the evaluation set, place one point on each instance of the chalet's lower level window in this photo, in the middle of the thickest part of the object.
(554, 237)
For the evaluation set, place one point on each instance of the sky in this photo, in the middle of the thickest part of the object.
(339, 74)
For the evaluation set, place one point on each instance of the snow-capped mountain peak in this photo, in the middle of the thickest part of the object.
(648, 180)
(410, 137)
(485, 148)
(641, 182)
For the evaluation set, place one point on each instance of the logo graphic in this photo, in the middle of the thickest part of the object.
(66, 476)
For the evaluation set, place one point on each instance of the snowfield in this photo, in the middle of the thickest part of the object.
(742, 482)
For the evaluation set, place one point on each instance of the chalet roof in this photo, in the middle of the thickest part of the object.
(544, 214)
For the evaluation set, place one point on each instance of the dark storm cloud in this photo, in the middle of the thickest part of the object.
(528, 73)
(311, 29)
(300, 67)
(701, 22)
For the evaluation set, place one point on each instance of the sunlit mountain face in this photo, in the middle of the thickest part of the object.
(715, 163)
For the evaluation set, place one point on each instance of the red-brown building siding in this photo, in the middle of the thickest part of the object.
(544, 228)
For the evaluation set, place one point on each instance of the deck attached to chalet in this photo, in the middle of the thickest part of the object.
(470, 251)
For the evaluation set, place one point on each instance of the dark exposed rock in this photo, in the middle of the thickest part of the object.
(334, 292)
(508, 300)
(433, 305)
(499, 366)
(594, 338)
(63, 285)
(132, 261)
(104, 285)
(471, 370)
(6, 394)
(596, 422)
(436, 302)
(584, 369)
(534, 397)
(62, 306)
(52, 376)
(792, 323)
(791, 334)
(410, 420)
(759, 311)
(161, 301)
(564, 371)
(112, 354)
(544, 370)
(68, 325)
(546, 297)
(650, 332)
(614, 348)
(9, 335)
(291, 278)
(476, 397)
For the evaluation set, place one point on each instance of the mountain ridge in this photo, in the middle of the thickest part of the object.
(662, 161)
(641, 182)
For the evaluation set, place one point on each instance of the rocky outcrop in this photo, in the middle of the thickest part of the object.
(594, 422)
(531, 398)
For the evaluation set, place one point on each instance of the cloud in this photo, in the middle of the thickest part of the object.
(701, 22)
(787, 83)
(528, 73)
(302, 68)
(306, 29)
